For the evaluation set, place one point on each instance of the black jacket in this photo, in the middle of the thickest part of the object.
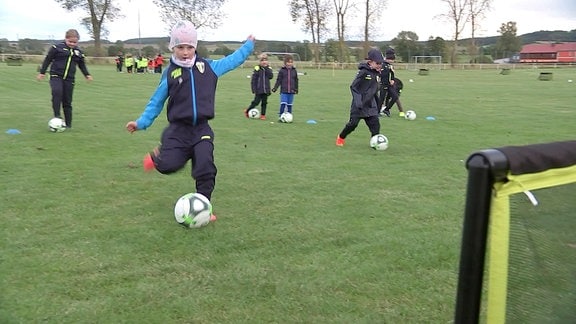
(387, 73)
(63, 60)
(364, 91)
(287, 80)
(261, 79)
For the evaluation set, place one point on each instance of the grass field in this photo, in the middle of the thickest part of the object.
(307, 232)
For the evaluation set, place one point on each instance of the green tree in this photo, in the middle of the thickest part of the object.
(116, 48)
(149, 51)
(436, 46)
(222, 50)
(331, 50)
(508, 43)
(406, 45)
(31, 46)
(203, 51)
(97, 13)
(303, 50)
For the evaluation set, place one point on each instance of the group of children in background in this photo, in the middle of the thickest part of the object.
(287, 81)
(139, 64)
(376, 78)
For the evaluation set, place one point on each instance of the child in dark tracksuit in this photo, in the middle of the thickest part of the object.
(364, 89)
(189, 85)
(63, 59)
(260, 84)
(287, 81)
(390, 91)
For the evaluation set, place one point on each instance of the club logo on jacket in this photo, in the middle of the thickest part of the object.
(176, 73)
(200, 66)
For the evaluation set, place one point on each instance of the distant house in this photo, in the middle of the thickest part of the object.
(549, 53)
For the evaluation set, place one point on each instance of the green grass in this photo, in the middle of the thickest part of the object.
(307, 232)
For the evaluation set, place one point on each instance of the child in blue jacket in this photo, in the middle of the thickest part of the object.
(189, 85)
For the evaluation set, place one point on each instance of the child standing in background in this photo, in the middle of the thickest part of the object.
(287, 81)
(129, 62)
(260, 84)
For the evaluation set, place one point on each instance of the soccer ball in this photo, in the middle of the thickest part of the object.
(56, 125)
(410, 115)
(286, 117)
(254, 113)
(193, 210)
(379, 142)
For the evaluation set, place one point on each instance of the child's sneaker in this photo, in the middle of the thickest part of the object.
(262, 117)
(148, 162)
(340, 141)
(401, 114)
(212, 218)
(384, 112)
(246, 113)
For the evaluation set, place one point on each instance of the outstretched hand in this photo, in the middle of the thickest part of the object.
(131, 126)
(251, 37)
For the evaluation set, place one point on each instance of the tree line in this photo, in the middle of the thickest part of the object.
(314, 17)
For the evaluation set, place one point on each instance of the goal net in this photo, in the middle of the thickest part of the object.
(518, 253)
(428, 62)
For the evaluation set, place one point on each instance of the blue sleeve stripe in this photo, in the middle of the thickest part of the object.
(194, 107)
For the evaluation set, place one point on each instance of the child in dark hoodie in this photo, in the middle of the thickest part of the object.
(364, 90)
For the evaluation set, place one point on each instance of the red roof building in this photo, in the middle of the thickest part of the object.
(549, 53)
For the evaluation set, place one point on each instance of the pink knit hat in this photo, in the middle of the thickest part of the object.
(183, 33)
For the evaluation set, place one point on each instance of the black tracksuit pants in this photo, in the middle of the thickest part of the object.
(62, 91)
(183, 142)
(372, 122)
(260, 98)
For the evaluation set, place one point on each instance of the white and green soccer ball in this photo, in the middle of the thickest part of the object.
(56, 125)
(410, 115)
(379, 142)
(254, 113)
(286, 117)
(193, 210)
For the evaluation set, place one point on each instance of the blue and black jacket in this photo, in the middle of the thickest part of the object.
(191, 91)
(63, 60)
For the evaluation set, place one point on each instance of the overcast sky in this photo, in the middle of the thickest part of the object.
(45, 19)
